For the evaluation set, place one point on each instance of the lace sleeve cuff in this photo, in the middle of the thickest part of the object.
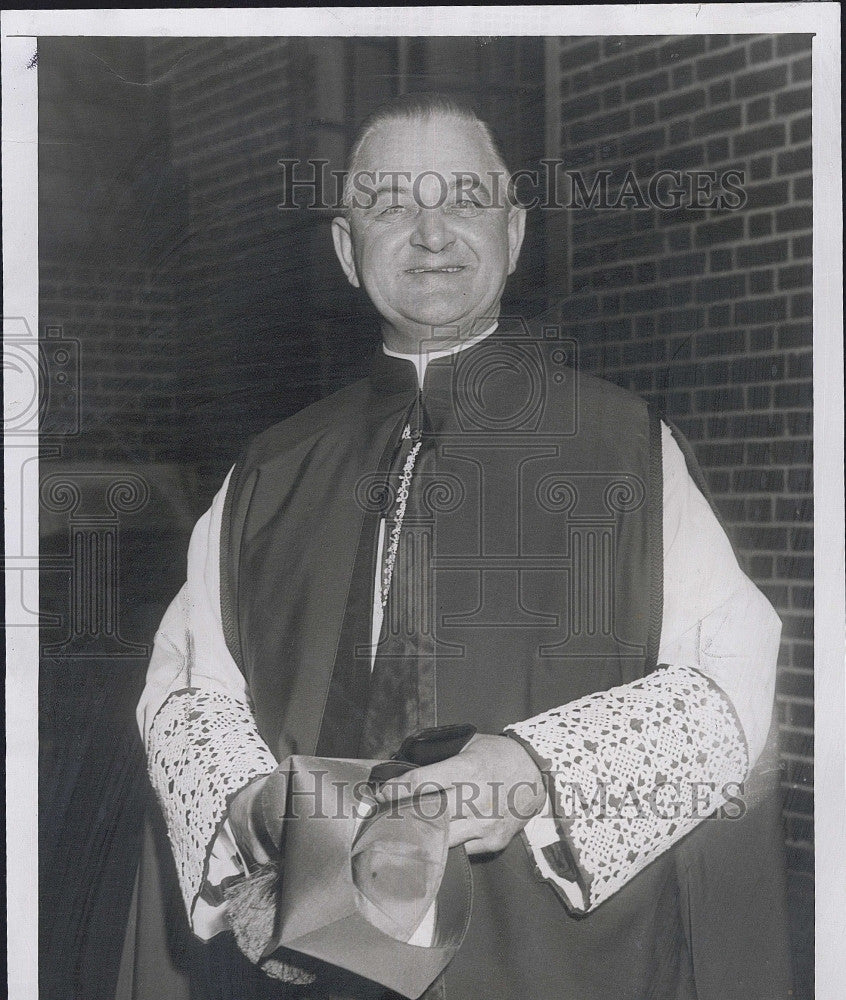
(629, 771)
(202, 747)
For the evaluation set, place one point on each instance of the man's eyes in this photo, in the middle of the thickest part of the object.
(394, 210)
(463, 206)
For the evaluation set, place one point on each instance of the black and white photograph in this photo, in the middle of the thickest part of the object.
(423, 445)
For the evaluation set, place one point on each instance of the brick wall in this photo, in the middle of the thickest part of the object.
(708, 313)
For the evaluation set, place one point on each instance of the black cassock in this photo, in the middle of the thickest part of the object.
(542, 536)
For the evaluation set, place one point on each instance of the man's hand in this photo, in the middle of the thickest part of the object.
(493, 788)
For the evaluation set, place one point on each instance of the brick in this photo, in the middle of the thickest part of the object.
(646, 272)
(759, 254)
(791, 44)
(718, 400)
(643, 352)
(644, 326)
(762, 338)
(720, 260)
(680, 48)
(579, 55)
(770, 539)
(680, 321)
(800, 130)
(679, 133)
(647, 86)
(761, 50)
(719, 315)
(759, 110)
(683, 103)
(802, 598)
(803, 654)
(760, 481)
(789, 682)
(756, 140)
(717, 150)
(794, 508)
(767, 195)
(795, 276)
(642, 142)
(788, 102)
(609, 70)
(761, 167)
(679, 239)
(761, 567)
(732, 509)
(756, 425)
(758, 452)
(714, 289)
(682, 76)
(720, 65)
(641, 301)
(803, 188)
(643, 114)
(794, 395)
(612, 97)
(802, 246)
(716, 42)
(800, 423)
(795, 335)
(760, 225)
(648, 58)
(800, 480)
(800, 70)
(727, 342)
(760, 282)
(721, 231)
(722, 120)
(760, 81)
(794, 161)
(792, 452)
(720, 453)
(756, 369)
(598, 128)
(796, 217)
(719, 92)
(801, 305)
(682, 265)
(579, 107)
(797, 627)
(684, 158)
(800, 365)
(795, 567)
(758, 396)
(760, 310)
(680, 349)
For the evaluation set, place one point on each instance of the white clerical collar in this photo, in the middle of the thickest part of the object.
(423, 357)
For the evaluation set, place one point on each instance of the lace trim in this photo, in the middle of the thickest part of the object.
(202, 747)
(631, 770)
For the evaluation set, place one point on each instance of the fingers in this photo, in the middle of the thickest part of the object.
(420, 781)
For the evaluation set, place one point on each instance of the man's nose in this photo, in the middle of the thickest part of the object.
(432, 231)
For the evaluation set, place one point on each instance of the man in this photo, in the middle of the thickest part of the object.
(565, 588)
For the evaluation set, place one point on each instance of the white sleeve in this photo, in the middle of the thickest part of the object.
(671, 732)
(199, 732)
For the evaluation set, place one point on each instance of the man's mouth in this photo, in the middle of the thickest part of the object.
(451, 269)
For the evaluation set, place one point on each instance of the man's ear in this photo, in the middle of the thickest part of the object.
(516, 232)
(342, 238)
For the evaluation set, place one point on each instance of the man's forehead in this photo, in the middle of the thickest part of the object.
(443, 143)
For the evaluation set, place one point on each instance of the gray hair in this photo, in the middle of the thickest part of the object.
(425, 104)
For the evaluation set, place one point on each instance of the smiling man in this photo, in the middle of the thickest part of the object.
(477, 533)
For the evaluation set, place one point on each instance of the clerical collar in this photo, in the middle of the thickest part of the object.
(422, 359)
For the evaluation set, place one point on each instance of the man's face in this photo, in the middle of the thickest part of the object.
(431, 253)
